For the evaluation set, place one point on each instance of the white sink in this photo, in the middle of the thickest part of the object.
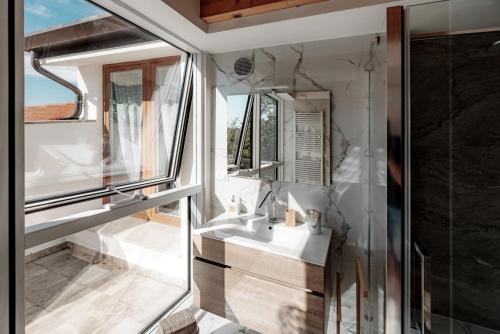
(254, 231)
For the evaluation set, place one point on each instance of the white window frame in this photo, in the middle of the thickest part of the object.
(12, 153)
(11, 167)
(255, 171)
(133, 17)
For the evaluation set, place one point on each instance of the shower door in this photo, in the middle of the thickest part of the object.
(453, 160)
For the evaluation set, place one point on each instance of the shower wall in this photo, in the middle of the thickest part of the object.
(377, 230)
(455, 162)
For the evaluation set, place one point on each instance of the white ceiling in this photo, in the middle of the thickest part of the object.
(325, 20)
(283, 27)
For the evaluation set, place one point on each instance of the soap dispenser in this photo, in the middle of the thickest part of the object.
(233, 207)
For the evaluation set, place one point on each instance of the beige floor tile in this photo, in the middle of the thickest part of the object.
(95, 276)
(56, 260)
(71, 295)
(44, 288)
(47, 323)
(89, 315)
(67, 295)
(129, 321)
(31, 312)
(149, 295)
(32, 270)
(119, 284)
(72, 269)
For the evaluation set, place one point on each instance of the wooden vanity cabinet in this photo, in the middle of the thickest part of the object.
(269, 293)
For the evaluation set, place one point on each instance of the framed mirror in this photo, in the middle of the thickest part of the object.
(279, 136)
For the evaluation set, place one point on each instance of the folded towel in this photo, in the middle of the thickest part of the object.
(181, 322)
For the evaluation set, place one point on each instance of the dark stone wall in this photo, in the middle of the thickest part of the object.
(455, 161)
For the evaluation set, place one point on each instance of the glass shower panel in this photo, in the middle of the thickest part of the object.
(377, 188)
(454, 49)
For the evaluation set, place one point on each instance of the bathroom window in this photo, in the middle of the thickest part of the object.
(141, 110)
(253, 136)
(240, 112)
(268, 136)
(108, 205)
(244, 158)
(121, 96)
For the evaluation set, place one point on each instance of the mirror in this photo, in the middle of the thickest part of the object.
(279, 136)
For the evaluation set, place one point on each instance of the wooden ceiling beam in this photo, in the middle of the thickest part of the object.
(213, 11)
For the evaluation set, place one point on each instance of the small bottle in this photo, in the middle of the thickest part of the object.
(233, 206)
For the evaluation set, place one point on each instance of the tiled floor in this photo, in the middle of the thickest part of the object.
(212, 324)
(66, 295)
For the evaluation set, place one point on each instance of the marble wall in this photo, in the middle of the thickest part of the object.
(345, 68)
(455, 99)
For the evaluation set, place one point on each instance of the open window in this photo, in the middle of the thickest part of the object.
(281, 136)
(108, 203)
(136, 92)
(141, 113)
(254, 134)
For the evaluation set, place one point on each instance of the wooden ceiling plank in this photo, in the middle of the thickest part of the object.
(213, 11)
(216, 7)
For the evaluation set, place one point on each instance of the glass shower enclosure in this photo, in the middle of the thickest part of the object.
(453, 155)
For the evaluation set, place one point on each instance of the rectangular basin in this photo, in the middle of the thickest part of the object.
(256, 232)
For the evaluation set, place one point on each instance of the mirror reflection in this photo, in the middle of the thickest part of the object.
(279, 136)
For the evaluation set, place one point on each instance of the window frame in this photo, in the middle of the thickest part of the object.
(245, 127)
(148, 69)
(279, 133)
(50, 202)
(251, 123)
(12, 167)
(191, 196)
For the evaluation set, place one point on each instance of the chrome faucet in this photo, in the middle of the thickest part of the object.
(271, 216)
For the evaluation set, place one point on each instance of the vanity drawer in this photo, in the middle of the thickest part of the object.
(261, 304)
(301, 274)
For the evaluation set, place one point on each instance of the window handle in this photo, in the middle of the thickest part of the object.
(137, 196)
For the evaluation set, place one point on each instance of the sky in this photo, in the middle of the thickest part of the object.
(236, 105)
(43, 14)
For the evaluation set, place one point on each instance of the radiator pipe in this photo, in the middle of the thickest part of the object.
(35, 62)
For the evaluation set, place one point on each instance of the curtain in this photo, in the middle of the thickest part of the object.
(129, 126)
(125, 124)
(166, 98)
